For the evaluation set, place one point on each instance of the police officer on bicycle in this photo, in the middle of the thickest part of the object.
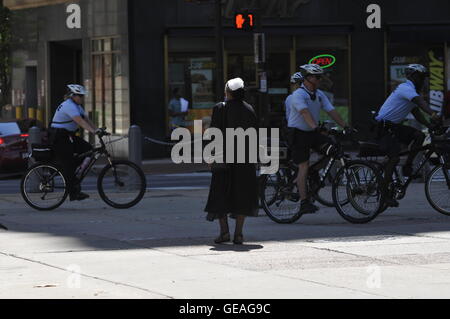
(69, 116)
(304, 115)
(404, 100)
(296, 83)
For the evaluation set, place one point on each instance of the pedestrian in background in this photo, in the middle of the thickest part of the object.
(178, 109)
(234, 187)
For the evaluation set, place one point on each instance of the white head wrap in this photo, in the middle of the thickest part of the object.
(235, 84)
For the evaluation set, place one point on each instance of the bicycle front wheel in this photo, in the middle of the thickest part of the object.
(280, 200)
(122, 184)
(437, 189)
(44, 187)
(357, 192)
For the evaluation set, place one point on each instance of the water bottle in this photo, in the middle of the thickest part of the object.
(82, 167)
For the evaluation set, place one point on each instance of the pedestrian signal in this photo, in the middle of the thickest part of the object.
(244, 21)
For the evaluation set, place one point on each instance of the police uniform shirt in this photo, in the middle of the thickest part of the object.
(65, 113)
(288, 106)
(303, 99)
(399, 104)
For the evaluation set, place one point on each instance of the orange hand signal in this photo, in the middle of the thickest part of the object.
(240, 21)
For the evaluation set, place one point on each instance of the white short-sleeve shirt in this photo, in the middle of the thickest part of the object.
(302, 99)
(399, 104)
(65, 113)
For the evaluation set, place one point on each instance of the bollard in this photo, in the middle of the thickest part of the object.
(135, 145)
(35, 137)
(134, 154)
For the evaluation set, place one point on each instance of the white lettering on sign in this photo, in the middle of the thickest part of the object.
(437, 82)
(374, 19)
(74, 19)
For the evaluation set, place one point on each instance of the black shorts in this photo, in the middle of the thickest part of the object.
(305, 141)
(393, 137)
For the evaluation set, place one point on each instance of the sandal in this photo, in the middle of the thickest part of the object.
(223, 238)
(238, 239)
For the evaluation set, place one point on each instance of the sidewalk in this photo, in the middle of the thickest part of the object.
(163, 249)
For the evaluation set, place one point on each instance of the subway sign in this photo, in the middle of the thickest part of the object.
(324, 60)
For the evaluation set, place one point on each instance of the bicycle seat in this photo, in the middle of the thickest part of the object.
(370, 149)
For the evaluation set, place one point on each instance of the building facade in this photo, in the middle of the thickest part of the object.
(132, 54)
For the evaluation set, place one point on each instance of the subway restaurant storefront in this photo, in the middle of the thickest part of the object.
(431, 51)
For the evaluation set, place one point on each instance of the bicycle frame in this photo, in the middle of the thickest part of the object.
(94, 155)
(430, 150)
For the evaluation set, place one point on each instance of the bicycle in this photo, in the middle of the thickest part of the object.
(437, 181)
(121, 184)
(279, 192)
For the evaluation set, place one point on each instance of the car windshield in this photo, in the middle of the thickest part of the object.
(7, 129)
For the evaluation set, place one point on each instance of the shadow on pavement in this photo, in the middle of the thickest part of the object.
(162, 221)
(236, 248)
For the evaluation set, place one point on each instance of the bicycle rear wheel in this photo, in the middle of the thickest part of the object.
(44, 187)
(357, 192)
(437, 189)
(122, 184)
(280, 200)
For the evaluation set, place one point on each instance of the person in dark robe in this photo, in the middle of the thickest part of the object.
(234, 189)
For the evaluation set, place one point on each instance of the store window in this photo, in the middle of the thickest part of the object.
(192, 70)
(430, 55)
(108, 96)
(332, 53)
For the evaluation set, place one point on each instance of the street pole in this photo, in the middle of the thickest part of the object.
(219, 51)
(261, 71)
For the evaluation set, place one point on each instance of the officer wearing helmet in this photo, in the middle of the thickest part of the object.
(404, 100)
(306, 105)
(296, 82)
(69, 116)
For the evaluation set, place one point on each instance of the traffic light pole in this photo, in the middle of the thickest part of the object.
(219, 52)
(261, 75)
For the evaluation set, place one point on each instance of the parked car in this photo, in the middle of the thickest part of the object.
(13, 148)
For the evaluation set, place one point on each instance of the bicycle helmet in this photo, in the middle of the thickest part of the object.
(311, 69)
(75, 89)
(297, 78)
(416, 68)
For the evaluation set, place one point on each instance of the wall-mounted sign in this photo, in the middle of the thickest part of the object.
(437, 78)
(324, 60)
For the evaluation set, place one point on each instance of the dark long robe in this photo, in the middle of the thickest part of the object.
(234, 192)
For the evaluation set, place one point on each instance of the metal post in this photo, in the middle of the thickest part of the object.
(219, 51)
(134, 155)
(35, 137)
(135, 145)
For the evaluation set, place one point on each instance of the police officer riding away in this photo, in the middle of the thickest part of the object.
(404, 100)
(69, 116)
(304, 115)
